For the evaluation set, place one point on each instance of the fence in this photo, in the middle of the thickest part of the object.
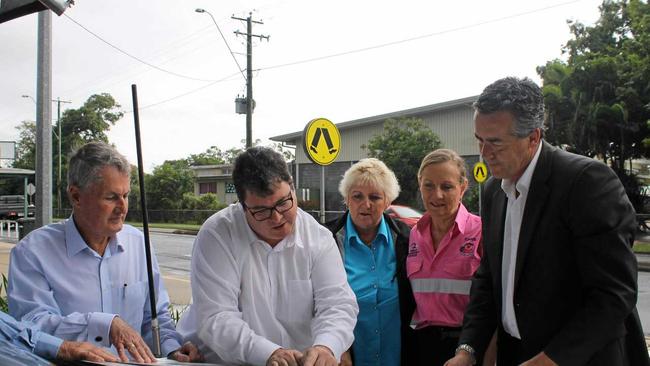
(166, 216)
(9, 229)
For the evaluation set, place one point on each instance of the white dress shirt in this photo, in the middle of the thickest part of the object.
(514, 215)
(251, 299)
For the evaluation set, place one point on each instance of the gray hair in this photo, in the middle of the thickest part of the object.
(86, 162)
(258, 170)
(442, 156)
(371, 172)
(521, 97)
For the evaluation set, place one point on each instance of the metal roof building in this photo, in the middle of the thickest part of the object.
(452, 121)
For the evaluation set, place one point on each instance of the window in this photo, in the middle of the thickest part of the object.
(207, 187)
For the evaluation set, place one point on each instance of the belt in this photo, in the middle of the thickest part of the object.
(440, 332)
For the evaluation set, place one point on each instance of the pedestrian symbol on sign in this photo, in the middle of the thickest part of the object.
(321, 141)
(480, 172)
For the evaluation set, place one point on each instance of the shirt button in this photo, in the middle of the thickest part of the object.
(374, 286)
(372, 268)
(98, 339)
(376, 331)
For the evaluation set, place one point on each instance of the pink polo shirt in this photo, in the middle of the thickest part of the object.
(441, 279)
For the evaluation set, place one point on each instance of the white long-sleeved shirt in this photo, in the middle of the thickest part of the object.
(251, 299)
(514, 216)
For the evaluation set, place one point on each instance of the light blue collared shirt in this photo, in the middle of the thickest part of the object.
(18, 340)
(371, 275)
(71, 292)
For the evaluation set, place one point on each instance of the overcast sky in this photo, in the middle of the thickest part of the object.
(431, 52)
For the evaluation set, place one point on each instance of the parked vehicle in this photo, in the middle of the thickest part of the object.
(407, 215)
(12, 207)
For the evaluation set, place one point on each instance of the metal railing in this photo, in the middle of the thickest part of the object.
(9, 229)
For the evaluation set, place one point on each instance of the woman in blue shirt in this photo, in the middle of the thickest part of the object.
(374, 249)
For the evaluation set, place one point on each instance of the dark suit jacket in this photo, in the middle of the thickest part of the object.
(575, 274)
(400, 233)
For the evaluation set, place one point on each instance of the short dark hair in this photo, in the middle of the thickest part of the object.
(521, 97)
(259, 170)
(86, 162)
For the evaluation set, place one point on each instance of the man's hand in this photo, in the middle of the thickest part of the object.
(319, 356)
(462, 358)
(75, 351)
(284, 357)
(124, 338)
(187, 353)
(346, 359)
(540, 360)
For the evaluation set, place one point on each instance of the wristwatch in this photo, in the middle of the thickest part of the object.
(469, 349)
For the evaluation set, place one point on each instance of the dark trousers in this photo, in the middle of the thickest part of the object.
(432, 346)
(509, 351)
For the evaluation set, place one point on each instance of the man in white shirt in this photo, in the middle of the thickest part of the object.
(268, 284)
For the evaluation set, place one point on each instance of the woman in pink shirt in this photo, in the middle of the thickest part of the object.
(444, 251)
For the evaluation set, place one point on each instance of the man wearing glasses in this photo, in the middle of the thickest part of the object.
(268, 283)
(558, 279)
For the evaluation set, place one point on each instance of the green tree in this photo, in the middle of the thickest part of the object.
(168, 183)
(212, 156)
(208, 201)
(597, 101)
(402, 146)
(26, 146)
(90, 122)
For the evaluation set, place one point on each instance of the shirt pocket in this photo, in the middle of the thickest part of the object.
(413, 266)
(461, 268)
(297, 301)
(129, 301)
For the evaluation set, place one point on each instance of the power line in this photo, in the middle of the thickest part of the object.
(199, 10)
(382, 45)
(186, 93)
(134, 57)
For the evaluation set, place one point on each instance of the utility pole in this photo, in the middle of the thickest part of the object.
(59, 190)
(43, 214)
(249, 73)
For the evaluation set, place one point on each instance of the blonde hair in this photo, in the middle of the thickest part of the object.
(370, 171)
(442, 156)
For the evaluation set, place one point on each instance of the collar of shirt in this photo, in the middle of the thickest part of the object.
(460, 222)
(523, 183)
(251, 238)
(75, 243)
(351, 232)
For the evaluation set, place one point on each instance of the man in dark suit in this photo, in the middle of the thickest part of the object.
(558, 278)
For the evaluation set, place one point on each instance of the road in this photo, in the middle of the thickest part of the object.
(173, 252)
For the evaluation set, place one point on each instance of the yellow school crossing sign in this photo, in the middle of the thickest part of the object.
(321, 141)
(480, 172)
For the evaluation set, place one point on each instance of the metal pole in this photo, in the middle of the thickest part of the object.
(155, 328)
(43, 214)
(58, 182)
(322, 194)
(249, 81)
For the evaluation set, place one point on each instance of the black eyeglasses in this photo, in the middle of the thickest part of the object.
(264, 213)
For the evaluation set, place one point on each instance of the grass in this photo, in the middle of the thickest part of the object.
(641, 248)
